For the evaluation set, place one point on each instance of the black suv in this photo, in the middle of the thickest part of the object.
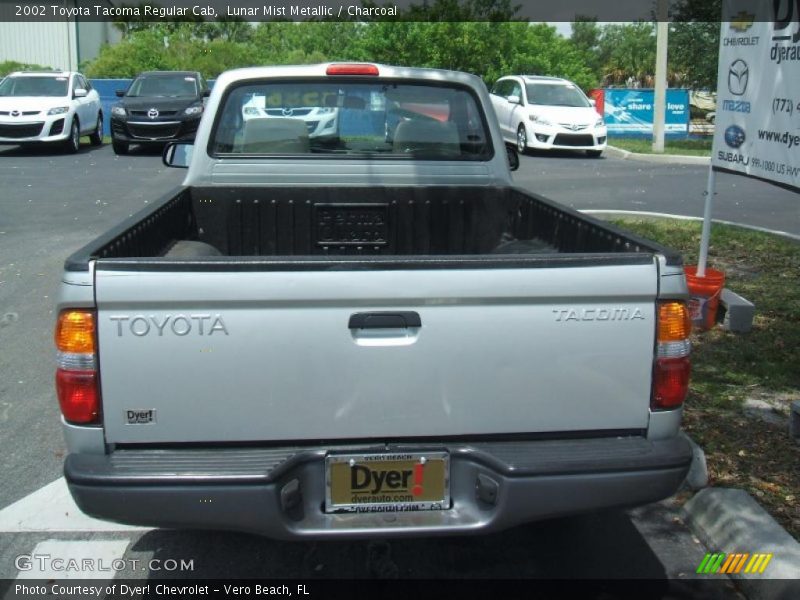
(158, 107)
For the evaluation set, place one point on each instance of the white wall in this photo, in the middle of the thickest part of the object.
(49, 44)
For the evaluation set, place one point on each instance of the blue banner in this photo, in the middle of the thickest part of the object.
(630, 112)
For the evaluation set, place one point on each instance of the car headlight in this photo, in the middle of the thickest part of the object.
(59, 110)
(251, 111)
(193, 110)
(325, 110)
(539, 120)
(118, 111)
(600, 122)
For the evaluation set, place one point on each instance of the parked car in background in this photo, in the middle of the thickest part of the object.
(547, 113)
(49, 107)
(320, 121)
(158, 107)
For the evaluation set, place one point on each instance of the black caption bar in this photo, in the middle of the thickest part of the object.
(333, 10)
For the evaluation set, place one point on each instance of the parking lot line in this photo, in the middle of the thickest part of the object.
(54, 560)
(51, 508)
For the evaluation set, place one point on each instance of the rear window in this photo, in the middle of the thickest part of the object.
(341, 119)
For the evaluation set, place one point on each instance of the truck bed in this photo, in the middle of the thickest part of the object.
(360, 226)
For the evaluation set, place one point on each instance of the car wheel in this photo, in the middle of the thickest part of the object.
(594, 153)
(522, 140)
(120, 147)
(97, 135)
(73, 142)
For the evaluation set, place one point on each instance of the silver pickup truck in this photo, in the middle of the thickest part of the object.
(349, 322)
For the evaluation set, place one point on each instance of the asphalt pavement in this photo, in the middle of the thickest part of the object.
(611, 183)
(52, 204)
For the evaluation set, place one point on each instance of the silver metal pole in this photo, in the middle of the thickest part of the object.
(706, 236)
(662, 33)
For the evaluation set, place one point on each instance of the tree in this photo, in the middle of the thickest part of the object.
(694, 42)
(9, 66)
(585, 38)
(128, 25)
(627, 53)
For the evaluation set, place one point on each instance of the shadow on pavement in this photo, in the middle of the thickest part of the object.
(598, 546)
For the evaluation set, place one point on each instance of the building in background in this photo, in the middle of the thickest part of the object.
(58, 44)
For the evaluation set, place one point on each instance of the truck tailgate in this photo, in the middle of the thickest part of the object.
(246, 355)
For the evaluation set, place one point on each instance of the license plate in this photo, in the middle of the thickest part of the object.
(391, 482)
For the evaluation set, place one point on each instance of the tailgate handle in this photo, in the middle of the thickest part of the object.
(384, 320)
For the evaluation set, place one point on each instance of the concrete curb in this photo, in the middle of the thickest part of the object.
(731, 521)
(644, 213)
(675, 159)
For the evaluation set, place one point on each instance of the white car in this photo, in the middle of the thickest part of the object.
(547, 113)
(51, 106)
(320, 121)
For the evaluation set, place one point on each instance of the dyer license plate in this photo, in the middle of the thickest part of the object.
(391, 482)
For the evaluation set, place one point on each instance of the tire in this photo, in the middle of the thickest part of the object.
(522, 139)
(73, 142)
(96, 137)
(594, 153)
(120, 147)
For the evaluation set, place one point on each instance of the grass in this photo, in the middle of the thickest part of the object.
(729, 369)
(645, 146)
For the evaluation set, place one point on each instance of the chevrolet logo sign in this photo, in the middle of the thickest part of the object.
(742, 21)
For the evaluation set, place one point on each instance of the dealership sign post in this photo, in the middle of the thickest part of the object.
(757, 129)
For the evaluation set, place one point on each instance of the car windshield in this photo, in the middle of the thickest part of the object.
(344, 119)
(556, 95)
(172, 87)
(34, 86)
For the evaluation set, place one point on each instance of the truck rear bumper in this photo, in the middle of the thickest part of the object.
(280, 492)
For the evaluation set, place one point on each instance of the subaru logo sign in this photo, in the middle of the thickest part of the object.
(152, 113)
(738, 75)
(734, 136)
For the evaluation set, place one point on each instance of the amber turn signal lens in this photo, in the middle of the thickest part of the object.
(75, 331)
(674, 323)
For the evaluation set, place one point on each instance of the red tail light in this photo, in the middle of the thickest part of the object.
(352, 69)
(76, 376)
(670, 382)
(672, 365)
(78, 395)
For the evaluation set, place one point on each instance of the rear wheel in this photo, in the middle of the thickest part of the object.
(594, 153)
(522, 139)
(96, 138)
(120, 147)
(73, 142)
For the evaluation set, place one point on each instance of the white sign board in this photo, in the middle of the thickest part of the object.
(757, 125)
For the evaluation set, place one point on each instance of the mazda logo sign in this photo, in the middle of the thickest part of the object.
(287, 112)
(15, 113)
(152, 113)
(738, 75)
